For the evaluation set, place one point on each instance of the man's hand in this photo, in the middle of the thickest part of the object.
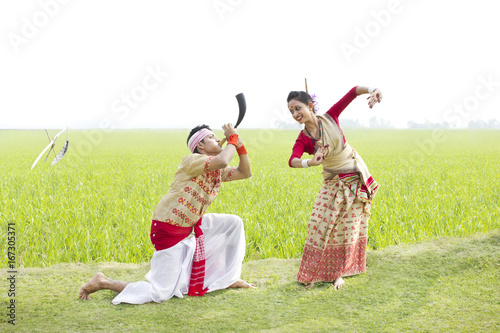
(228, 130)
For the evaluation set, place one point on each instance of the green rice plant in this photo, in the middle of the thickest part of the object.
(96, 204)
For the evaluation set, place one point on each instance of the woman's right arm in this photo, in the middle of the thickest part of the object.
(296, 163)
(316, 160)
(298, 150)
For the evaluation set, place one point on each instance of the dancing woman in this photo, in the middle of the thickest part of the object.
(337, 231)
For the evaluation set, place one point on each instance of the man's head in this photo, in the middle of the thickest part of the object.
(202, 140)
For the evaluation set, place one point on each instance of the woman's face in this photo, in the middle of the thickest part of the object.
(300, 111)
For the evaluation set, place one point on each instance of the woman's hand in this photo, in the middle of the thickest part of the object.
(319, 157)
(374, 98)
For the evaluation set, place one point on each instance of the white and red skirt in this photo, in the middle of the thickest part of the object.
(337, 231)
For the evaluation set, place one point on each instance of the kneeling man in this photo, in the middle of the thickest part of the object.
(195, 252)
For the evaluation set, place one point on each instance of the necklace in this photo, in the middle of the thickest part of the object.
(319, 142)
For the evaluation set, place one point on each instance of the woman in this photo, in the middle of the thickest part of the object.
(337, 232)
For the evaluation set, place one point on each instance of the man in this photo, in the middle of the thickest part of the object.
(195, 252)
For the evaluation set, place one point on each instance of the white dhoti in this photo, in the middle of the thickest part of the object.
(171, 268)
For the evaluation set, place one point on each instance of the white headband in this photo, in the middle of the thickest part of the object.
(197, 137)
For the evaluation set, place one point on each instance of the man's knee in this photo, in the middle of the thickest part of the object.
(225, 221)
(236, 222)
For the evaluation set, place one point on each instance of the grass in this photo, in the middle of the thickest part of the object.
(96, 204)
(447, 284)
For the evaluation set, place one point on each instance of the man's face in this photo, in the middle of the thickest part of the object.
(210, 145)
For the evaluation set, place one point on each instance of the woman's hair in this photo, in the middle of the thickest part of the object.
(193, 131)
(300, 96)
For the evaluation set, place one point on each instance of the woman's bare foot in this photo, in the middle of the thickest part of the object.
(308, 285)
(92, 286)
(339, 283)
(242, 284)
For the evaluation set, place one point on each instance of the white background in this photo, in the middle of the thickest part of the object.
(72, 62)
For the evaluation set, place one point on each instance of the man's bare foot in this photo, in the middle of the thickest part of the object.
(92, 286)
(242, 284)
(308, 285)
(339, 283)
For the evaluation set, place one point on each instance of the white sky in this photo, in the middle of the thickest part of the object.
(74, 62)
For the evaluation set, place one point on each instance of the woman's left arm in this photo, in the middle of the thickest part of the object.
(375, 94)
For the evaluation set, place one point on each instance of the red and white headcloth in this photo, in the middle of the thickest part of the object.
(197, 137)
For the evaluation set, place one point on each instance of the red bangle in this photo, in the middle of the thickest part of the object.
(241, 150)
(233, 139)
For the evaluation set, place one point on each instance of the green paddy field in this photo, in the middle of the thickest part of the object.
(96, 204)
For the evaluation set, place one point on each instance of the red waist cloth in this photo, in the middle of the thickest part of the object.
(164, 236)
